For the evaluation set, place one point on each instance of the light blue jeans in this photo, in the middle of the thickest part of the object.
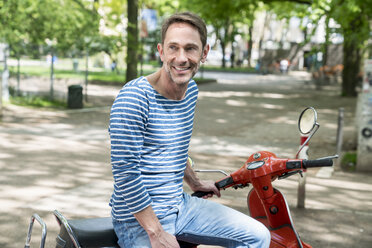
(200, 221)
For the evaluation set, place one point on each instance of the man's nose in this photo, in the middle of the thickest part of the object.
(182, 55)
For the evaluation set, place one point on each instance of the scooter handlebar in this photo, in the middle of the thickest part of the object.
(290, 165)
(317, 163)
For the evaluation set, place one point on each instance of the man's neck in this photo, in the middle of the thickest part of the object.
(161, 82)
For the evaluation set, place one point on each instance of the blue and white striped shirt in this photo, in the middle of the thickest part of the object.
(150, 137)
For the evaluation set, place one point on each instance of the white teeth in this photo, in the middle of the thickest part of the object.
(181, 69)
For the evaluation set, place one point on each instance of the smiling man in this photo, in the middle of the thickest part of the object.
(151, 124)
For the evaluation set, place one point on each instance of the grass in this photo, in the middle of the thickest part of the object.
(41, 71)
(98, 75)
(349, 161)
(37, 101)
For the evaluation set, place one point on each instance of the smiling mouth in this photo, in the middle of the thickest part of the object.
(181, 69)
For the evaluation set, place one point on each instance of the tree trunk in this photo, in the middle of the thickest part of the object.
(86, 74)
(250, 44)
(326, 42)
(352, 63)
(132, 39)
(223, 47)
(260, 42)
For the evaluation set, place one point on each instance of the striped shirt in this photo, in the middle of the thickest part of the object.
(150, 137)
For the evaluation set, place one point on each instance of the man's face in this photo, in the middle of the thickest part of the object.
(182, 52)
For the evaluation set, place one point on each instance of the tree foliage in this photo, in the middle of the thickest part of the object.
(65, 22)
(224, 16)
(13, 25)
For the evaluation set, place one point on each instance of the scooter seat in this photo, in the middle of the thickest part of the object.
(96, 232)
(99, 232)
(93, 232)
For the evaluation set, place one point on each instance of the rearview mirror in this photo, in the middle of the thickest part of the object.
(307, 120)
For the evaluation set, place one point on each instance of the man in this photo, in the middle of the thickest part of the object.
(150, 128)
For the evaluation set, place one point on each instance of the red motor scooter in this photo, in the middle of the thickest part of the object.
(266, 203)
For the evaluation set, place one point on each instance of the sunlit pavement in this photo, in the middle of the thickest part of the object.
(60, 159)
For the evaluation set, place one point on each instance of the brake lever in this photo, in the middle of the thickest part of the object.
(288, 174)
(240, 186)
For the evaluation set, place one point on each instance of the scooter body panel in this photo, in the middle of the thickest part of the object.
(274, 214)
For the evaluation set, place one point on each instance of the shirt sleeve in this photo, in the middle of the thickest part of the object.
(128, 120)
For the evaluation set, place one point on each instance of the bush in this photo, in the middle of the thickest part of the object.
(349, 161)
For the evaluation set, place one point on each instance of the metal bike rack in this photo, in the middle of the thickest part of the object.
(43, 231)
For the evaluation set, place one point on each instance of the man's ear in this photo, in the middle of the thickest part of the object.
(205, 53)
(161, 51)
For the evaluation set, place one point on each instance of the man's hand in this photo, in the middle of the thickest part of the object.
(158, 237)
(163, 240)
(206, 186)
(199, 185)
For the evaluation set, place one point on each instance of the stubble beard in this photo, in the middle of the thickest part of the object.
(194, 67)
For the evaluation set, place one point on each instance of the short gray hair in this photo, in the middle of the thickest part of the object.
(189, 18)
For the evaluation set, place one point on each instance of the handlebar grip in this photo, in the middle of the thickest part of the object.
(200, 194)
(224, 183)
(317, 163)
(228, 181)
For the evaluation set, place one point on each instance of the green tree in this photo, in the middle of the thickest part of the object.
(113, 39)
(248, 17)
(354, 17)
(164, 7)
(13, 29)
(62, 23)
(116, 12)
(285, 10)
(224, 16)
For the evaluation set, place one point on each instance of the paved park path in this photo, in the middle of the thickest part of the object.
(60, 159)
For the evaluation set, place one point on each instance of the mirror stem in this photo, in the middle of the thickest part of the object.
(308, 139)
(219, 171)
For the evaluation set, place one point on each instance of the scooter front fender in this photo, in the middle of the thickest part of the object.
(274, 214)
